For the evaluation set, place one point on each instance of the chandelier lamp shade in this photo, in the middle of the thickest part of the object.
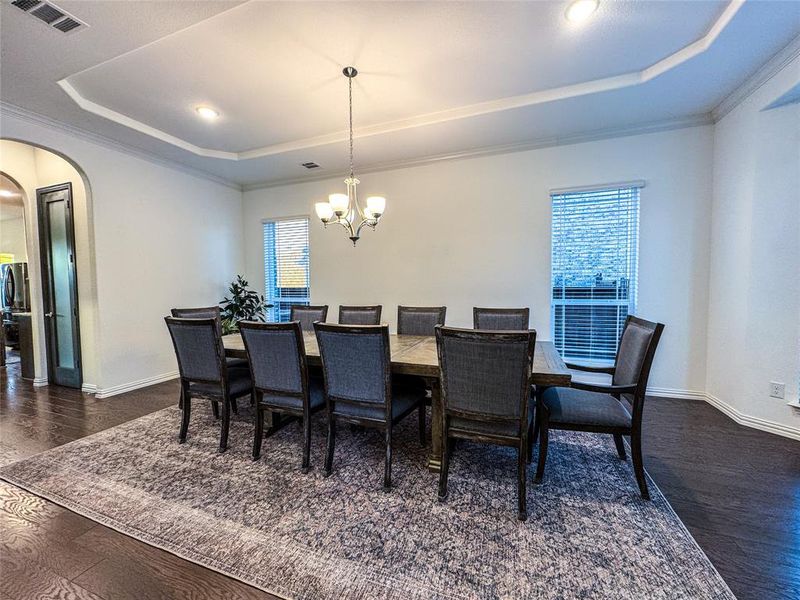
(344, 209)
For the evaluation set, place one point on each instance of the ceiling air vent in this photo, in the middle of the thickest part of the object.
(310, 165)
(50, 14)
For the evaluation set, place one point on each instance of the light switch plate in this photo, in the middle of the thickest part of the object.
(777, 390)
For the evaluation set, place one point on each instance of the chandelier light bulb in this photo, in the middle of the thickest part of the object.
(376, 205)
(324, 211)
(339, 203)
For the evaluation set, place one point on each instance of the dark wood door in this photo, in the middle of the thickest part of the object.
(59, 285)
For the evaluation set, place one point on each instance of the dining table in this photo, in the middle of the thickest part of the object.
(416, 355)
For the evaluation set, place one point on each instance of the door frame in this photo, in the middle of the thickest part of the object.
(47, 292)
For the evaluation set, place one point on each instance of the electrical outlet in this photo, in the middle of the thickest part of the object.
(777, 390)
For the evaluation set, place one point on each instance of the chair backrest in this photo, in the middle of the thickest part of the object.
(355, 362)
(276, 354)
(198, 347)
(501, 319)
(203, 312)
(360, 315)
(637, 348)
(306, 315)
(419, 320)
(485, 375)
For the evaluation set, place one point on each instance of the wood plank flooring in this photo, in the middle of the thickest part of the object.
(736, 489)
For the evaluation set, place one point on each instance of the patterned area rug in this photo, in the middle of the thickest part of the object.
(299, 536)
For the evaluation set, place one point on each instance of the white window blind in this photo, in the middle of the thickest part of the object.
(286, 267)
(595, 242)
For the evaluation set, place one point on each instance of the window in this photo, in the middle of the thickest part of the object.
(286, 269)
(595, 243)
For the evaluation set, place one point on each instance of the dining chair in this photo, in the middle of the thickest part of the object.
(356, 366)
(599, 408)
(360, 315)
(501, 319)
(306, 315)
(277, 358)
(486, 395)
(419, 320)
(210, 312)
(204, 373)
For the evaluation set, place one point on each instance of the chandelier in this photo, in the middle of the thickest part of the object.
(344, 209)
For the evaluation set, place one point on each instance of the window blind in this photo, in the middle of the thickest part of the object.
(595, 242)
(286, 266)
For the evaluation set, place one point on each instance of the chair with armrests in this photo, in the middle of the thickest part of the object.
(501, 319)
(419, 320)
(277, 358)
(599, 408)
(356, 364)
(306, 315)
(204, 373)
(360, 315)
(485, 380)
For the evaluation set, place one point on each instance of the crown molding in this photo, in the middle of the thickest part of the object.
(595, 86)
(37, 119)
(767, 71)
(536, 144)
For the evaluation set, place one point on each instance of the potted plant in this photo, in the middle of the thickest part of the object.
(241, 304)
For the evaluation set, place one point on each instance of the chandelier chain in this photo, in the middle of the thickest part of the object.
(350, 92)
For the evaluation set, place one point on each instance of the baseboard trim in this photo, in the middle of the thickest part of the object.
(754, 422)
(89, 388)
(676, 393)
(134, 385)
(39, 381)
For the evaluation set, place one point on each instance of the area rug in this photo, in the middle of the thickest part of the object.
(303, 536)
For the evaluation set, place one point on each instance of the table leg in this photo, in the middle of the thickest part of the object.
(435, 459)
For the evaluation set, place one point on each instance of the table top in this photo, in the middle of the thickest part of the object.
(416, 355)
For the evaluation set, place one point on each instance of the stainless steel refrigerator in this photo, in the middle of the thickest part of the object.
(15, 295)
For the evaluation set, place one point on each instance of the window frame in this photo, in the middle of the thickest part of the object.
(266, 220)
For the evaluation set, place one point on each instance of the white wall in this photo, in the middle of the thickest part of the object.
(754, 304)
(156, 238)
(477, 232)
(12, 237)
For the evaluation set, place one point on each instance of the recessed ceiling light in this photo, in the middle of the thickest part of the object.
(580, 10)
(207, 112)
(8, 194)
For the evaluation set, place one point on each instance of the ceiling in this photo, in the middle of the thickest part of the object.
(435, 78)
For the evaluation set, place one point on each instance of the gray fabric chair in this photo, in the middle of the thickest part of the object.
(356, 364)
(210, 312)
(360, 315)
(277, 358)
(419, 320)
(501, 319)
(601, 408)
(306, 315)
(204, 373)
(485, 382)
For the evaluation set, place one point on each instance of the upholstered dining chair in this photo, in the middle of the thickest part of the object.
(360, 315)
(486, 395)
(419, 320)
(209, 312)
(356, 364)
(501, 319)
(600, 408)
(306, 315)
(277, 358)
(204, 373)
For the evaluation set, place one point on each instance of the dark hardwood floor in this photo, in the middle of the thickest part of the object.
(736, 489)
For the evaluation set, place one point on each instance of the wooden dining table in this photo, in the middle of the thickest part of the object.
(416, 355)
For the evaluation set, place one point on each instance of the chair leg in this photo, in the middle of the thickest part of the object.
(543, 439)
(234, 405)
(445, 468)
(226, 425)
(529, 449)
(422, 436)
(187, 406)
(536, 427)
(331, 444)
(215, 409)
(620, 446)
(522, 490)
(259, 433)
(306, 444)
(638, 465)
(387, 467)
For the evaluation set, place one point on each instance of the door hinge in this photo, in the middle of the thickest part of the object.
(71, 258)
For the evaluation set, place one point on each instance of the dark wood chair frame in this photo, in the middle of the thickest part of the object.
(542, 425)
(224, 396)
(523, 441)
(262, 405)
(387, 422)
(373, 308)
(499, 311)
(309, 307)
(440, 319)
